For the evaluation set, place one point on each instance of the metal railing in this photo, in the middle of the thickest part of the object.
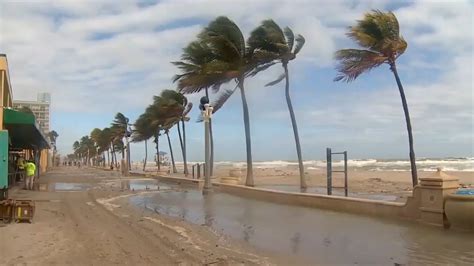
(329, 155)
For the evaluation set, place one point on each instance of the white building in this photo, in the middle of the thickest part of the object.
(40, 109)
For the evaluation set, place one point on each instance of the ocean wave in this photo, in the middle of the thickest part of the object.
(464, 164)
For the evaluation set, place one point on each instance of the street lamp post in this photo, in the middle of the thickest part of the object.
(206, 110)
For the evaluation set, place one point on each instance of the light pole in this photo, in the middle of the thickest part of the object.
(206, 111)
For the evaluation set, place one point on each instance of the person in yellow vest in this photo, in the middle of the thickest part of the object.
(30, 168)
(20, 166)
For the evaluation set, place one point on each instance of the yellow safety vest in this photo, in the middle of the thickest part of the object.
(30, 169)
(21, 163)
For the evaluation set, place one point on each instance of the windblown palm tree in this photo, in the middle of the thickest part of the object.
(379, 34)
(120, 129)
(53, 135)
(143, 131)
(174, 107)
(95, 136)
(269, 42)
(219, 56)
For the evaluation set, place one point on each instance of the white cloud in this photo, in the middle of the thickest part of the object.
(94, 55)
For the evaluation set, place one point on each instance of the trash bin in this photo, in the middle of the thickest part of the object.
(24, 211)
(6, 207)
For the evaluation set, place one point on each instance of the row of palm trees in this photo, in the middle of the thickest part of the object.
(220, 54)
(91, 149)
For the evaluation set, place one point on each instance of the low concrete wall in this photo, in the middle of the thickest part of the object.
(177, 180)
(359, 206)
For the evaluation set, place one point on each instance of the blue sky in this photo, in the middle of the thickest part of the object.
(101, 57)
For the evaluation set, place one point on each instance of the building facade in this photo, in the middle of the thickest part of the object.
(40, 108)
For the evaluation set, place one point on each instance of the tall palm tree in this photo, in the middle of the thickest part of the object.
(174, 108)
(120, 129)
(269, 42)
(53, 135)
(379, 34)
(226, 58)
(95, 136)
(194, 58)
(106, 138)
(143, 130)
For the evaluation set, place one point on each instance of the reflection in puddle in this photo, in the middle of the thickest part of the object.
(314, 235)
(68, 187)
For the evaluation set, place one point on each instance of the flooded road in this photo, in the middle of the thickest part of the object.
(314, 235)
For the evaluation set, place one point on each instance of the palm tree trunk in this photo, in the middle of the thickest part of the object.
(184, 149)
(295, 128)
(171, 152)
(180, 140)
(108, 157)
(211, 161)
(414, 175)
(158, 151)
(249, 179)
(146, 155)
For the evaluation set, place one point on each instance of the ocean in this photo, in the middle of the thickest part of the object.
(463, 164)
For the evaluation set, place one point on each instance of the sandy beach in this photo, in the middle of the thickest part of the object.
(363, 183)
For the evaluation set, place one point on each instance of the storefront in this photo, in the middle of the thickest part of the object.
(19, 134)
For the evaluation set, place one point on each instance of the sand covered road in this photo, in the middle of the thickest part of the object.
(92, 228)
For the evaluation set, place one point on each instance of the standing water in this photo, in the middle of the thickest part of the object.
(315, 235)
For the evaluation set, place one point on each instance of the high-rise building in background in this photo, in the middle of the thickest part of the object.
(40, 109)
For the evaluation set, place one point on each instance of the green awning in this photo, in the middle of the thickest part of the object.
(23, 130)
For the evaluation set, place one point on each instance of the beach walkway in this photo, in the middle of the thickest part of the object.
(74, 224)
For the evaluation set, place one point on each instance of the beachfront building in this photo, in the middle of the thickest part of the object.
(40, 109)
(19, 133)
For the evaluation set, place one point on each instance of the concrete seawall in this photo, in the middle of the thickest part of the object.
(336, 203)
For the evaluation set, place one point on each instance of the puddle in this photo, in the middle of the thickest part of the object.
(64, 187)
(314, 235)
(70, 187)
(141, 184)
(335, 192)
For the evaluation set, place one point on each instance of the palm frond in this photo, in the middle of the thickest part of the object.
(300, 40)
(222, 99)
(278, 80)
(290, 38)
(353, 62)
(377, 31)
(260, 68)
(188, 108)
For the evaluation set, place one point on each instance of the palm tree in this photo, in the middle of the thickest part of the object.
(174, 108)
(225, 58)
(269, 42)
(104, 141)
(95, 136)
(379, 34)
(143, 130)
(120, 129)
(193, 60)
(53, 135)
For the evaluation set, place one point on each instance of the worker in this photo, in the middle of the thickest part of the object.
(30, 174)
(20, 168)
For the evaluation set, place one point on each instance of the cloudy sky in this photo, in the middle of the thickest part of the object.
(97, 58)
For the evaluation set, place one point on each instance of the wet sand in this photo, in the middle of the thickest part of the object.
(84, 224)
